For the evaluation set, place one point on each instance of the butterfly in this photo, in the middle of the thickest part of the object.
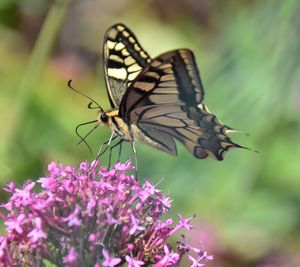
(158, 101)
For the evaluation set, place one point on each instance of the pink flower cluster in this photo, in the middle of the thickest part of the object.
(89, 216)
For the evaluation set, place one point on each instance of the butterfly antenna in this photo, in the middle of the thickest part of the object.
(91, 107)
(78, 92)
(87, 134)
(81, 138)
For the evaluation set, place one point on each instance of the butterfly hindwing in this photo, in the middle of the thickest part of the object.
(166, 98)
(158, 139)
(124, 59)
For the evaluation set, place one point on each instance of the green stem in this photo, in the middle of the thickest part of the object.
(36, 65)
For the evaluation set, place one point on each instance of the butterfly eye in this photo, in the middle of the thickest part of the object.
(104, 117)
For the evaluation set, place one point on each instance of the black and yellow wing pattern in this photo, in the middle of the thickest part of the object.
(160, 100)
(124, 59)
(165, 102)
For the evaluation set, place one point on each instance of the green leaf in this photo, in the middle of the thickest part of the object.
(48, 263)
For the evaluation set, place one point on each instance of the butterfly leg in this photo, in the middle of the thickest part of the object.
(135, 158)
(120, 150)
(107, 143)
(111, 149)
(102, 145)
(99, 154)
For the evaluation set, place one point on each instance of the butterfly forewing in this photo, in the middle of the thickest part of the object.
(170, 78)
(166, 99)
(124, 59)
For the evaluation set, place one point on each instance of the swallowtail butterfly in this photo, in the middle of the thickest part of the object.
(158, 100)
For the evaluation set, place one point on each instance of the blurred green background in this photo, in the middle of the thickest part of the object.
(248, 52)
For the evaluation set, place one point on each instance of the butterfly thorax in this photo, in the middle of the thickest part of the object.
(117, 125)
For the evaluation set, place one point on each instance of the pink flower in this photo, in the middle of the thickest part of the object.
(135, 225)
(84, 215)
(169, 259)
(3, 246)
(24, 196)
(110, 261)
(37, 233)
(91, 206)
(123, 167)
(185, 222)
(15, 224)
(10, 187)
(167, 202)
(195, 262)
(200, 256)
(151, 188)
(52, 168)
(49, 183)
(71, 256)
(132, 262)
(72, 219)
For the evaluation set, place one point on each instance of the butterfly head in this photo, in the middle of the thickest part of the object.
(102, 118)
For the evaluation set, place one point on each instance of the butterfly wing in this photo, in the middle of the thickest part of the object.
(124, 59)
(166, 98)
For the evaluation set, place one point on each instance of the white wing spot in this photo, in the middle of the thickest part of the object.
(110, 44)
(133, 68)
(120, 74)
(125, 53)
(143, 54)
(129, 61)
(116, 58)
(119, 46)
(132, 76)
(125, 34)
(120, 28)
(131, 40)
(136, 47)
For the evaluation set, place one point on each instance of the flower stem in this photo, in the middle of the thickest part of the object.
(36, 65)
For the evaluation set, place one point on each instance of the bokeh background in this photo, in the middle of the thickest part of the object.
(247, 206)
